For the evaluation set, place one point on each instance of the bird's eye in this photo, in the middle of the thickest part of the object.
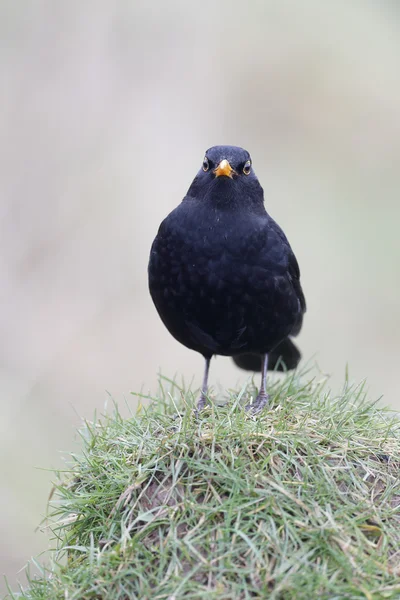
(206, 164)
(247, 167)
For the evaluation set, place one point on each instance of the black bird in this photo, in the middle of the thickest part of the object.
(222, 274)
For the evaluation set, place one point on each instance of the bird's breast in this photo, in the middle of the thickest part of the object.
(227, 281)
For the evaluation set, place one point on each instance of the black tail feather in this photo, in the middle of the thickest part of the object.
(285, 357)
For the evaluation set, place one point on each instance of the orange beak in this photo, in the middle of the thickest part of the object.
(224, 168)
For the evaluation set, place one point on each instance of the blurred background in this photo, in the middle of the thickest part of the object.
(106, 109)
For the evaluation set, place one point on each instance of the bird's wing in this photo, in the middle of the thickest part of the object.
(293, 271)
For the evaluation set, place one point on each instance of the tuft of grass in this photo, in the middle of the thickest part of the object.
(301, 502)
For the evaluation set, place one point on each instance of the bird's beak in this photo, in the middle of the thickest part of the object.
(224, 168)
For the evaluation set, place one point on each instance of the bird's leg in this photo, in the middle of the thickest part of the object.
(204, 386)
(262, 398)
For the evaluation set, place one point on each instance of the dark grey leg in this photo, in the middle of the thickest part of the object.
(204, 387)
(262, 399)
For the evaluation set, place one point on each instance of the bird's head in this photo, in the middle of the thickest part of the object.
(226, 162)
(226, 176)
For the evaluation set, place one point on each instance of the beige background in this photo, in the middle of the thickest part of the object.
(106, 109)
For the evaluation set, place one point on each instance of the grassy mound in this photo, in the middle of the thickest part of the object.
(300, 502)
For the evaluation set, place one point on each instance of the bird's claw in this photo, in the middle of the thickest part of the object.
(201, 404)
(259, 403)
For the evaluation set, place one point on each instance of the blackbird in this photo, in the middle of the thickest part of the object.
(222, 274)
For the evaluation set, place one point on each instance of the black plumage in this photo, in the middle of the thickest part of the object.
(222, 274)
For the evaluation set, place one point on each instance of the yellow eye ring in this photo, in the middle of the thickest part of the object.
(206, 164)
(247, 167)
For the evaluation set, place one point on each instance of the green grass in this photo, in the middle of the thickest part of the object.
(301, 502)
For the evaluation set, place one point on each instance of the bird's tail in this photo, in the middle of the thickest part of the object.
(284, 357)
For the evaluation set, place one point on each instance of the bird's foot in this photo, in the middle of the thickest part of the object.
(259, 403)
(201, 404)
